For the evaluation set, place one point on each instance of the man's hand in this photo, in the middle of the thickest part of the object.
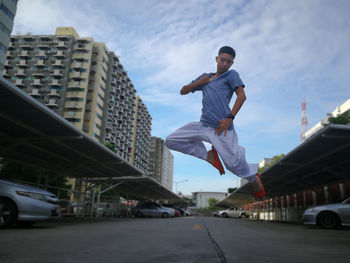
(223, 126)
(203, 80)
(189, 87)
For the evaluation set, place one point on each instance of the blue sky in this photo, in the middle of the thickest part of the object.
(286, 51)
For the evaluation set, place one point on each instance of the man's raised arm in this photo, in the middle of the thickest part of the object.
(190, 87)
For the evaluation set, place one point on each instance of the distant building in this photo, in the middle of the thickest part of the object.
(201, 198)
(161, 163)
(344, 108)
(7, 16)
(264, 162)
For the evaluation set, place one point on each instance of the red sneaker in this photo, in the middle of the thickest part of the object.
(261, 193)
(217, 164)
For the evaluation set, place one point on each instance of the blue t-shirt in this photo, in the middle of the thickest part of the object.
(217, 95)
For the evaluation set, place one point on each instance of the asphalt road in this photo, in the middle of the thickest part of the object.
(186, 239)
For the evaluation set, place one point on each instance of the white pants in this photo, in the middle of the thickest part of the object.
(189, 140)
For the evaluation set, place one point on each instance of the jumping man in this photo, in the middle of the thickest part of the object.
(216, 123)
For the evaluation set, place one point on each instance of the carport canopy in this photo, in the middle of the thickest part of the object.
(33, 134)
(321, 160)
(143, 188)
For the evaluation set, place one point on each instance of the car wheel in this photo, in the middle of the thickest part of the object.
(8, 213)
(224, 215)
(25, 223)
(139, 214)
(328, 220)
(165, 215)
(243, 215)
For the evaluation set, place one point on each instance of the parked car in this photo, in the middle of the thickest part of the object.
(25, 204)
(234, 212)
(328, 216)
(216, 213)
(104, 209)
(188, 212)
(178, 211)
(152, 210)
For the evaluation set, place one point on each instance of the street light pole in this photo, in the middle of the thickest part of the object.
(178, 182)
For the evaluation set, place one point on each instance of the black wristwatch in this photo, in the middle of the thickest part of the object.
(230, 116)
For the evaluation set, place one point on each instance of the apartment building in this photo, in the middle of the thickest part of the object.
(85, 83)
(141, 136)
(339, 110)
(161, 163)
(7, 16)
(121, 109)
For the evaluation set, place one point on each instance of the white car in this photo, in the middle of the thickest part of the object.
(234, 212)
(328, 216)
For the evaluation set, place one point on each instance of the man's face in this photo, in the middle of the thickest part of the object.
(224, 62)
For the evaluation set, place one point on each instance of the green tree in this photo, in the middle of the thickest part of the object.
(212, 202)
(275, 159)
(110, 146)
(231, 190)
(341, 119)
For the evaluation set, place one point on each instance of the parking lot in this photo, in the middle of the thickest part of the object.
(184, 239)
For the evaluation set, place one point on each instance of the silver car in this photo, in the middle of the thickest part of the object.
(152, 210)
(328, 216)
(25, 204)
(234, 212)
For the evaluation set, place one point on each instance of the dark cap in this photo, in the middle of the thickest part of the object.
(228, 50)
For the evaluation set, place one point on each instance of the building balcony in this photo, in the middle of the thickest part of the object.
(88, 107)
(81, 48)
(20, 72)
(70, 115)
(38, 74)
(19, 83)
(7, 65)
(109, 126)
(86, 127)
(5, 73)
(76, 76)
(24, 54)
(59, 54)
(26, 46)
(72, 105)
(55, 83)
(44, 46)
(61, 44)
(35, 93)
(9, 55)
(22, 63)
(42, 53)
(74, 95)
(37, 82)
(58, 64)
(56, 73)
(54, 93)
(77, 65)
(51, 103)
(40, 63)
(74, 84)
